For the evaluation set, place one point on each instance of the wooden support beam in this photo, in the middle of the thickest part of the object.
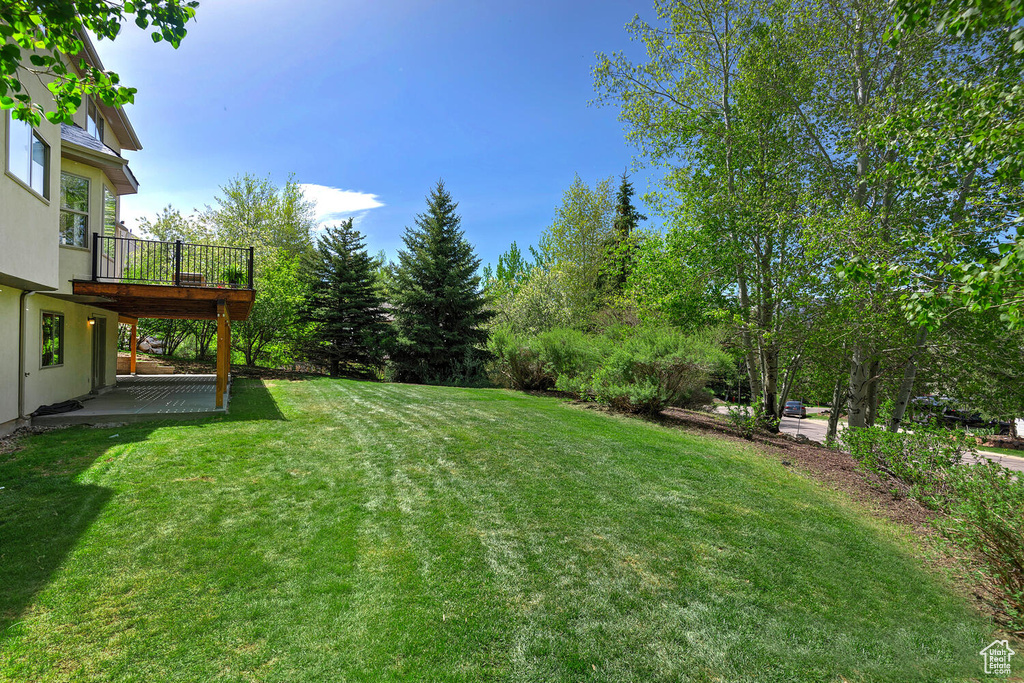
(223, 352)
(134, 344)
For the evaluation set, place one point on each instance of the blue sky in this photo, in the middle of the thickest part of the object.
(369, 103)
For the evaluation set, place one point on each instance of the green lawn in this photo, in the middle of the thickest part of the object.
(332, 530)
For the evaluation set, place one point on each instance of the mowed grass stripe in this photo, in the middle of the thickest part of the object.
(339, 530)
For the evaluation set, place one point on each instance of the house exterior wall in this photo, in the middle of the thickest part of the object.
(27, 244)
(76, 262)
(9, 301)
(45, 385)
(32, 258)
(74, 378)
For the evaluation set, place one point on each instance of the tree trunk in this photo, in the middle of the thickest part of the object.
(838, 399)
(861, 96)
(753, 368)
(860, 380)
(860, 370)
(769, 390)
(907, 385)
(787, 383)
(872, 408)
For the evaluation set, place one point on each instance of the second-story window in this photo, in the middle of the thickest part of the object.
(28, 157)
(74, 209)
(109, 221)
(93, 121)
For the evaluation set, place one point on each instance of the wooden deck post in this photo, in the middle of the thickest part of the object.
(223, 352)
(134, 345)
(227, 359)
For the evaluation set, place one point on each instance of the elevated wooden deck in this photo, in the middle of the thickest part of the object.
(187, 302)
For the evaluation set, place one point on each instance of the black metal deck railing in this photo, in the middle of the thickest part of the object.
(131, 260)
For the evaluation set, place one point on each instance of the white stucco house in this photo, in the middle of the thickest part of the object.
(70, 272)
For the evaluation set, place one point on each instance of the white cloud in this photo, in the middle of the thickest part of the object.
(334, 204)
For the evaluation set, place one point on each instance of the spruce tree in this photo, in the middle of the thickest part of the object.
(342, 301)
(438, 306)
(627, 218)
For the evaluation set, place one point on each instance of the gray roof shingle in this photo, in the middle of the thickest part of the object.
(78, 136)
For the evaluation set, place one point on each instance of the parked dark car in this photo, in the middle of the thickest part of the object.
(940, 411)
(999, 427)
(794, 409)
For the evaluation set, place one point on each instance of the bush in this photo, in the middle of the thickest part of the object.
(745, 419)
(634, 370)
(912, 462)
(649, 370)
(985, 514)
(982, 504)
(568, 353)
(517, 363)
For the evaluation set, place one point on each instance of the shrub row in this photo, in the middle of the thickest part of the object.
(631, 369)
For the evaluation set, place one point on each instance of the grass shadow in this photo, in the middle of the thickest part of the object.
(45, 510)
(251, 400)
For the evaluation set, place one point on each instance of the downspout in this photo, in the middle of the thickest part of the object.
(21, 354)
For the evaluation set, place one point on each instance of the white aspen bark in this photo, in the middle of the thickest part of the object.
(872, 409)
(907, 385)
(860, 371)
(787, 383)
(770, 370)
(860, 379)
(838, 399)
(753, 369)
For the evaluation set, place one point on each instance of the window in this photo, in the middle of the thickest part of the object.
(74, 209)
(28, 157)
(53, 340)
(93, 121)
(109, 220)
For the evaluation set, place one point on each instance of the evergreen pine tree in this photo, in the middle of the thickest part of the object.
(438, 306)
(627, 218)
(342, 301)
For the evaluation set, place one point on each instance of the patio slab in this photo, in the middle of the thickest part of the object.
(140, 398)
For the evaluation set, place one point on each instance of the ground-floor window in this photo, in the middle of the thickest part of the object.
(53, 339)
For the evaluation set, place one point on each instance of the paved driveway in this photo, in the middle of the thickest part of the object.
(815, 430)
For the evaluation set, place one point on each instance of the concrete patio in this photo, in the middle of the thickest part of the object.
(139, 398)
